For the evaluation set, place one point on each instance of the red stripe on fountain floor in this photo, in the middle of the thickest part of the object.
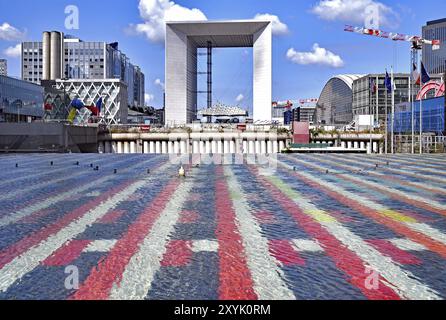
(389, 249)
(18, 248)
(284, 253)
(189, 216)
(66, 254)
(112, 217)
(178, 254)
(402, 229)
(345, 260)
(99, 283)
(235, 278)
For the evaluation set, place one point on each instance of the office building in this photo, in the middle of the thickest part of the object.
(3, 67)
(365, 92)
(60, 56)
(20, 101)
(435, 60)
(334, 107)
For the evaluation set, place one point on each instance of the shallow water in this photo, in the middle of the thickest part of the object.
(298, 227)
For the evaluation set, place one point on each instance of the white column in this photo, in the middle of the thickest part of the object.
(269, 146)
(375, 147)
(208, 147)
(220, 147)
(196, 147)
(158, 147)
(263, 147)
(362, 145)
(120, 148)
(275, 146)
(251, 147)
(257, 147)
(152, 147)
(281, 145)
(202, 147)
(164, 149)
(114, 146)
(213, 146)
(232, 147)
(226, 147)
(126, 147)
(349, 144)
(183, 147)
(176, 147)
(132, 147)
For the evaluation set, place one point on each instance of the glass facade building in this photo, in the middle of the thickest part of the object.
(20, 100)
(88, 60)
(433, 117)
(334, 107)
(435, 60)
(364, 96)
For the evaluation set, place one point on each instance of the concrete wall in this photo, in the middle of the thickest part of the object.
(45, 137)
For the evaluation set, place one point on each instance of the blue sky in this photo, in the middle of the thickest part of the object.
(302, 25)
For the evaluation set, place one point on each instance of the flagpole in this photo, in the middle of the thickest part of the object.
(377, 100)
(421, 115)
(385, 124)
(392, 134)
(412, 116)
(371, 116)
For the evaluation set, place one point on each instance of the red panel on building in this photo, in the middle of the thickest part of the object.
(301, 132)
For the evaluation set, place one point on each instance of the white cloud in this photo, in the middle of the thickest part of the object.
(319, 56)
(357, 11)
(13, 52)
(279, 28)
(240, 98)
(9, 33)
(156, 12)
(159, 83)
(148, 98)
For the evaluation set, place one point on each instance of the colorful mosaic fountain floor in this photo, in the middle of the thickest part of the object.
(302, 227)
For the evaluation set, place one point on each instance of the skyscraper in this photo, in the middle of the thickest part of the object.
(435, 60)
(3, 67)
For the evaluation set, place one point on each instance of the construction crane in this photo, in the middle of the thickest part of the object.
(417, 45)
(417, 42)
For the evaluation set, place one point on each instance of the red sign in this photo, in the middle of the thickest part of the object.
(145, 128)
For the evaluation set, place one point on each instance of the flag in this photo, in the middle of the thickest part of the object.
(425, 77)
(416, 76)
(372, 85)
(78, 104)
(388, 83)
(72, 115)
(99, 105)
